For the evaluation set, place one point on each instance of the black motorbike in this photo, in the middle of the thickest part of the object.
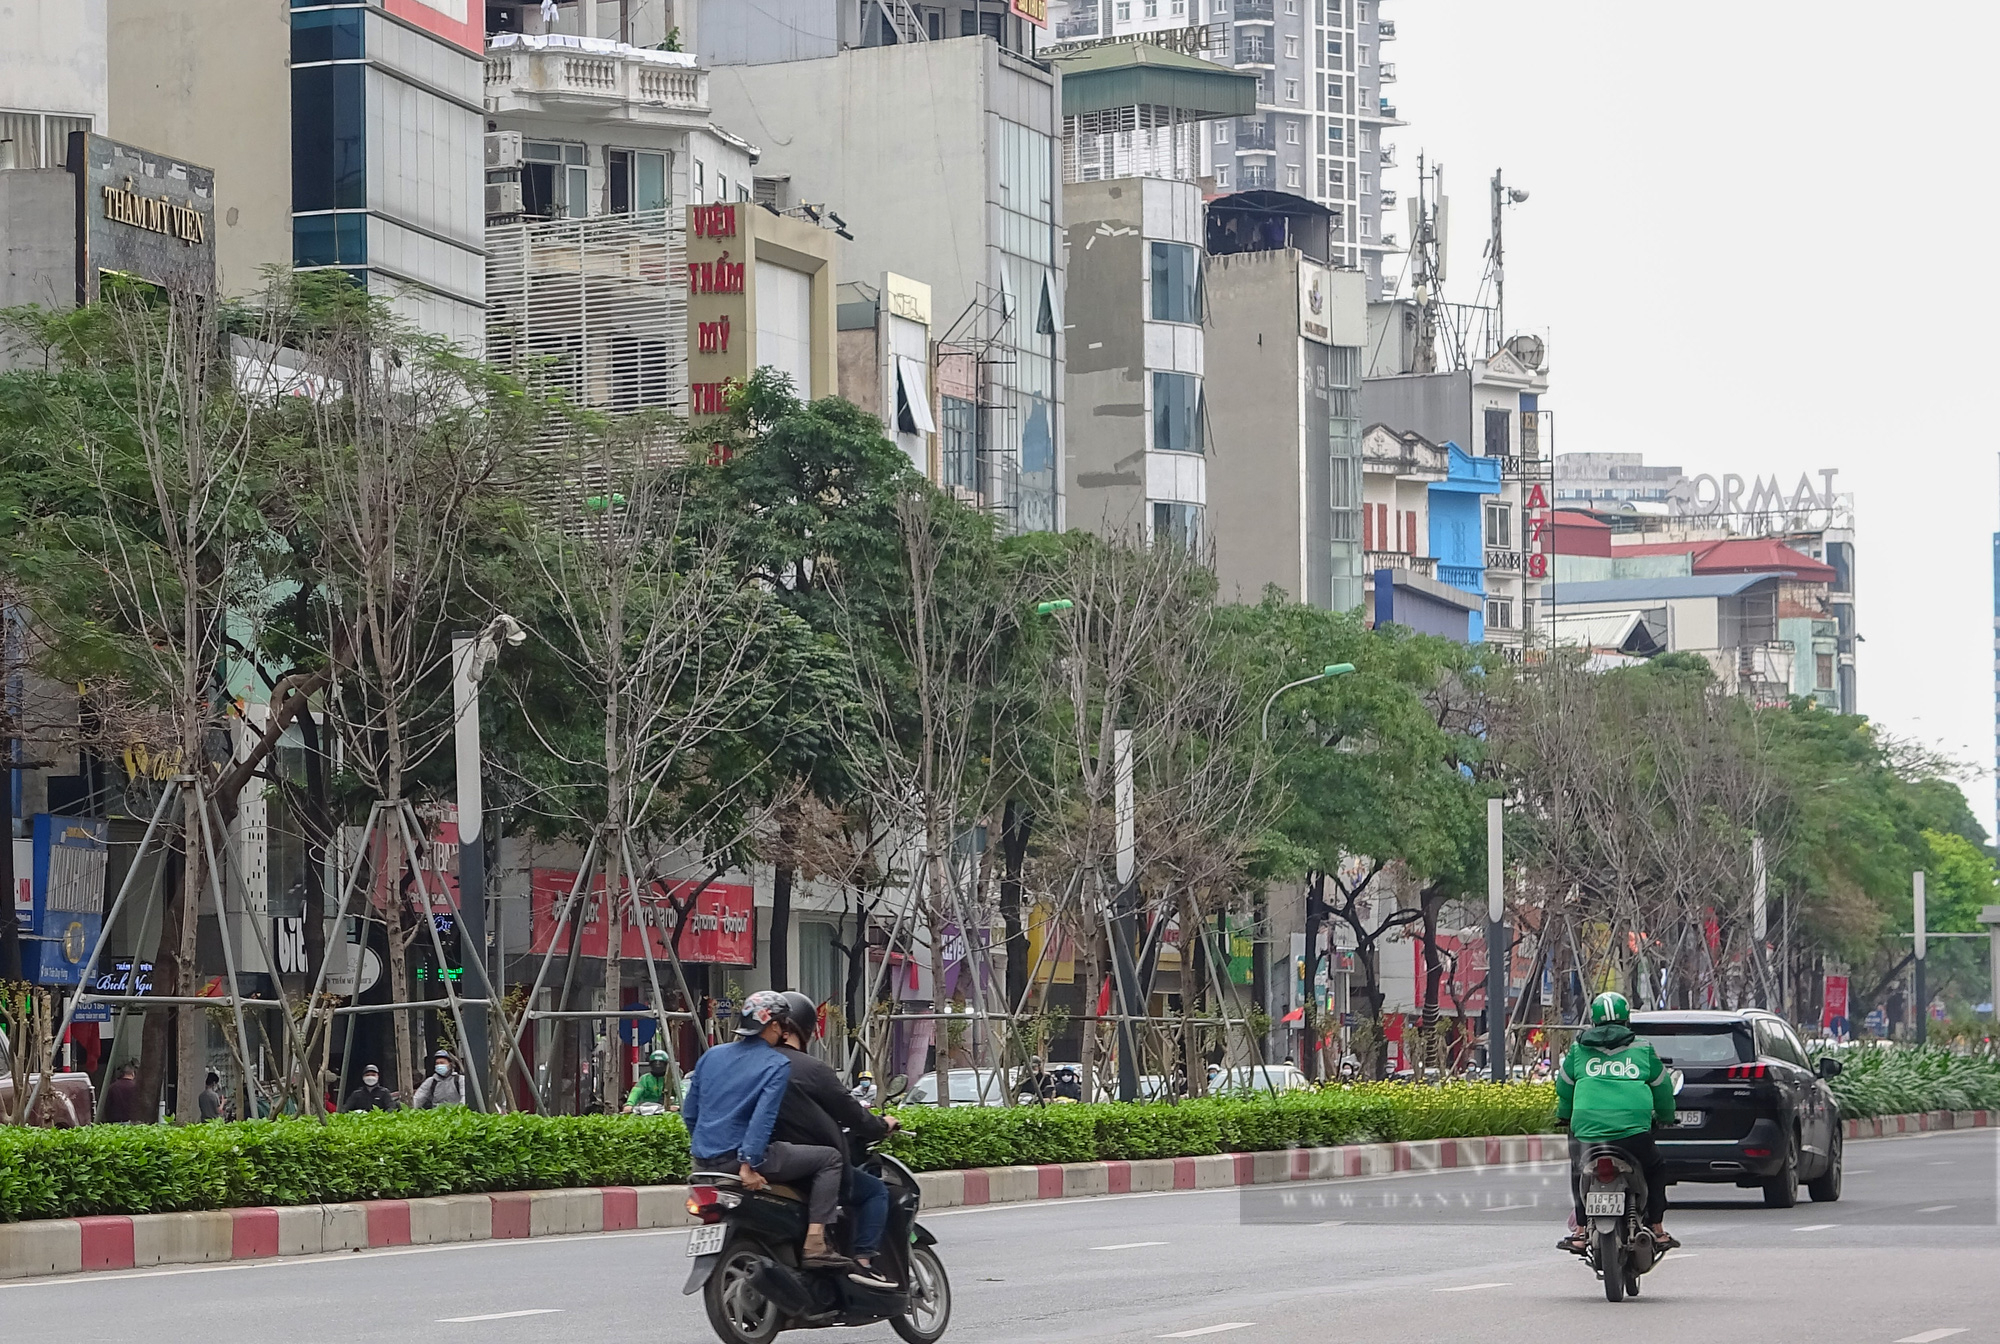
(747, 1263)
(1619, 1245)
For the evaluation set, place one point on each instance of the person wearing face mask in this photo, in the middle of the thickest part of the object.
(445, 1086)
(371, 1095)
(652, 1085)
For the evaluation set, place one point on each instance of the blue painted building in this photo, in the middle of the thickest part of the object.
(1458, 529)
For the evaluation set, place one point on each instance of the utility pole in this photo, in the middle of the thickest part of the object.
(471, 654)
(1919, 990)
(1759, 910)
(1496, 947)
(1124, 919)
(1503, 196)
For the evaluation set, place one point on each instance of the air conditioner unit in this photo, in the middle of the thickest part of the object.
(503, 150)
(503, 198)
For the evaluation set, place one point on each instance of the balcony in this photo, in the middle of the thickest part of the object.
(1466, 578)
(1388, 73)
(1385, 157)
(1386, 109)
(1256, 140)
(1386, 30)
(1254, 177)
(593, 77)
(1254, 53)
(1252, 11)
(1388, 199)
(1424, 565)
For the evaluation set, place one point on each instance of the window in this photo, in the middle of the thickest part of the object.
(1333, 92)
(1124, 11)
(1291, 90)
(1152, 9)
(555, 180)
(1500, 613)
(330, 240)
(1263, 89)
(1222, 175)
(1221, 132)
(1179, 524)
(1367, 227)
(989, 24)
(1335, 136)
(1499, 525)
(1823, 671)
(1333, 49)
(638, 180)
(1178, 7)
(913, 397)
(329, 138)
(958, 430)
(1292, 175)
(722, 186)
(1176, 283)
(700, 183)
(1367, 183)
(1177, 413)
(1361, 53)
(327, 35)
(1291, 6)
(1291, 46)
(1291, 132)
(1496, 424)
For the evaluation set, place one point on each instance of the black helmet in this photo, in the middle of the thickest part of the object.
(760, 1010)
(801, 1013)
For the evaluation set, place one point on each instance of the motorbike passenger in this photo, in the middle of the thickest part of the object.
(652, 1087)
(1611, 1090)
(816, 1110)
(733, 1099)
(1037, 1083)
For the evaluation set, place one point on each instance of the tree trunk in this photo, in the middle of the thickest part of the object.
(939, 1004)
(191, 1054)
(1427, 1031)
(318, 829)
(1015, 824)
(157, 1036)
(608, 1077)
(399, 967)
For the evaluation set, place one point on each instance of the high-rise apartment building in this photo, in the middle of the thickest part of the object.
(344, 135)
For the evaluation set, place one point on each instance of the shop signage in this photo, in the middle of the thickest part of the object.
(158, 214)
(143, 215)
(1707, 496)
(1034, 11)
(721, 924)
(721, 276)
(1315, 303)
(69, 863)
(712, 338)
(125, 977)
(718, 312)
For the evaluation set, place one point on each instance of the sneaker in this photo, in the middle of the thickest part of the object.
(873, 1278)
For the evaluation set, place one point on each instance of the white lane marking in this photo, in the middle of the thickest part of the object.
(1504, 1208)
(1470, 1287)
(1815, 1227)
(1932, 1336)
(1128, 1245)
(1937, 1208)
(499, 1315)
(1208, 1330)
(1861, 1171)
(1940, 1164)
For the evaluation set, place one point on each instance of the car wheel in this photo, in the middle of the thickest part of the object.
(1825, 1188)
(1782, 1190)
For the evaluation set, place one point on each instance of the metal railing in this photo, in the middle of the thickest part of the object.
(1470, 578)
(1425, 565)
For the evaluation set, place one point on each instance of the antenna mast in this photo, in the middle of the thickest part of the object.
(1503, 196)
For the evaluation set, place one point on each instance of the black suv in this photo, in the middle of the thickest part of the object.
(1752, 1109)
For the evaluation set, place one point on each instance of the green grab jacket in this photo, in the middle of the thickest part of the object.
(1611, 1085)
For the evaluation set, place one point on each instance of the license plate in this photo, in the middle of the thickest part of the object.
(1689, 1119)
(707, 1240)
(1604, 1203)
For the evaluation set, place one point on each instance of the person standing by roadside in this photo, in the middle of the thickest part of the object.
(371, 1095)
(121, 1099)
(210, 1100)
(445, 1086)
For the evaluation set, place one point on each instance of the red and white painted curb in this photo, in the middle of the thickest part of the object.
(139, 1241)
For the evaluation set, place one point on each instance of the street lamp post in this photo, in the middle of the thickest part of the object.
(471, 654)
(1496, 948)
(1331, 670)
(1920, 990)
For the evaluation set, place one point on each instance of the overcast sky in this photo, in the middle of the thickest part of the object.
(1753, 246)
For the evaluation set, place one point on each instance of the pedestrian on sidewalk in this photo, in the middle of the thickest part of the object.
(371, 1095)
(210, 1100)
(121, 1099)
(445, 1086)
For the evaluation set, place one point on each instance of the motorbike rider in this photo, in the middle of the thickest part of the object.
(732, 1104)
(651, 1089)
(1037, 1083)
(1611, 1090)
(817, 1108)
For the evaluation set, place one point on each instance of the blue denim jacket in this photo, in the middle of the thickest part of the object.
(733, 1098)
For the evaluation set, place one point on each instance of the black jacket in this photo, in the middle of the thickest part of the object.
(817, 1107)
(366, 1098)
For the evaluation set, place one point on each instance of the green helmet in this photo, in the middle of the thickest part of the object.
(1609, 1007)
(657, 1057)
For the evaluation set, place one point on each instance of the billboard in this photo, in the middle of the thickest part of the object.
(722, 923)
(141, 214)
(68, 910)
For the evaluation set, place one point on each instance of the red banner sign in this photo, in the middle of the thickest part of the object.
(1833, 1016)
(722, 924)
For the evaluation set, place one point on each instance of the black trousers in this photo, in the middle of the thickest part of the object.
(1642, 1150)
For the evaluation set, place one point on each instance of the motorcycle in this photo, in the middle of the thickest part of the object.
(1620, 1247)
(747, 1252)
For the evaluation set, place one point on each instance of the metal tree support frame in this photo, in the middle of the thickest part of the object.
(179, 785)
(615, 906)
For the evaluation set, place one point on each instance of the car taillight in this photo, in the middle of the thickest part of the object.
(1756, 1152)
(1747, 1070)
(708, 1203)
(1607, 1170)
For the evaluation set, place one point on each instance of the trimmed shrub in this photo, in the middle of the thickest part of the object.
(1875, 1081)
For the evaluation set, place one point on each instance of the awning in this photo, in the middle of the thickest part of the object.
(1139, 74)
(913, 398)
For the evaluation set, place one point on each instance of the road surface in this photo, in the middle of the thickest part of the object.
(1909, 1253)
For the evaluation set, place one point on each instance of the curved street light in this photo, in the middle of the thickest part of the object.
(1331, 670)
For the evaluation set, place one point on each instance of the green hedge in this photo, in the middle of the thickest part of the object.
(165, 1168)
(168, 1168)
(1875, 1081)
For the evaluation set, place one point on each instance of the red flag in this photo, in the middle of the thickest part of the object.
(1104, 998)
(1296, 1015)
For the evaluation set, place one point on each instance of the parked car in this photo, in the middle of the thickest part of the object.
(70, 1099)
(969, 1087)
(1251, 1080)
(1753, 1110)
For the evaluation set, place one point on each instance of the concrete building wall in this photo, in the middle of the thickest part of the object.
(37, 245)
(1435, 405)
(52, 59)
(209, 81)
(730, 32)
(1257, 500)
